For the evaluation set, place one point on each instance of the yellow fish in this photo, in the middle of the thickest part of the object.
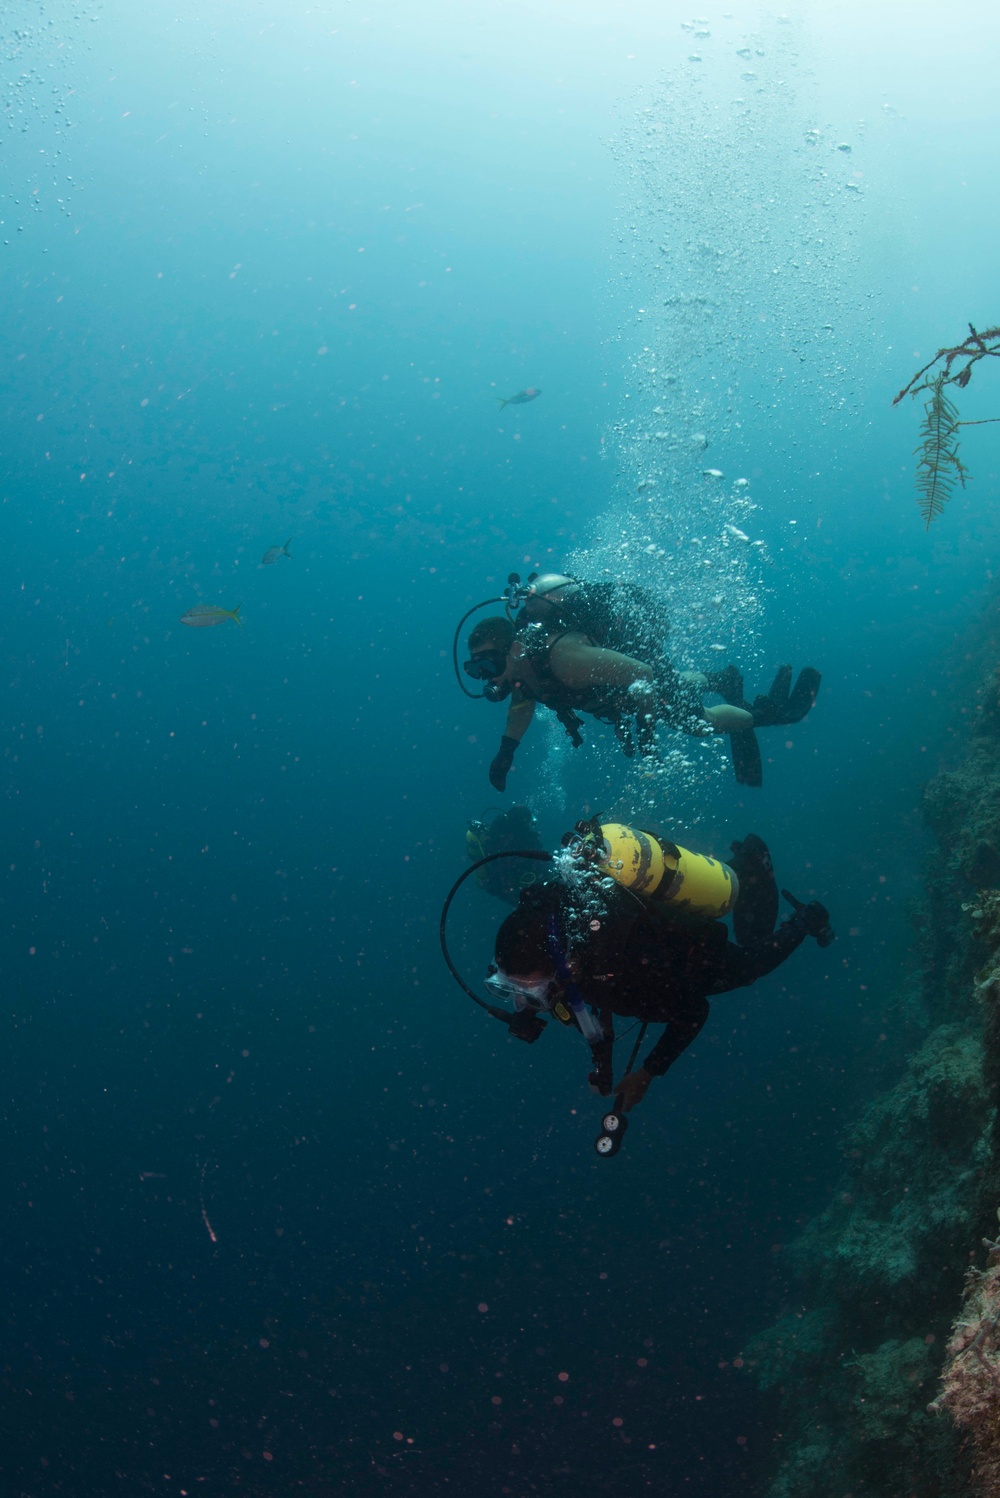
(205, 615)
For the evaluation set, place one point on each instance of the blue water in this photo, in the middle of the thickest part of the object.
(283, 1211)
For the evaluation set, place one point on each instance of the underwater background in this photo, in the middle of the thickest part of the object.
(282, 1211)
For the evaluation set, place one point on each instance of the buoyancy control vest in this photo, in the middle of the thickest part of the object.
(533, 643)
(625, 617)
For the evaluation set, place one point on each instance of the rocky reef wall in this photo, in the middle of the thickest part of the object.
(858, 1364)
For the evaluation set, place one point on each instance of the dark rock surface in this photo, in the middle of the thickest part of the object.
(881, 1270)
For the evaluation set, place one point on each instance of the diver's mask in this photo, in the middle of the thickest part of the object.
(486, 665)
(534, 996)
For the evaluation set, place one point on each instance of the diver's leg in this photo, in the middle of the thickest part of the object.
(743, 746)
(756, 910)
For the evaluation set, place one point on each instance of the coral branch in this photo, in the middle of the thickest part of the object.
(977, 346)
(940, 464)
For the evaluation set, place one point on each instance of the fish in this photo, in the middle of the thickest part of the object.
(205, 615)
(274, 552)
(520, 399)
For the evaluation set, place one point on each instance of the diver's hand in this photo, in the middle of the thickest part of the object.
(632, 1089)
(502, 762)
(815, 919)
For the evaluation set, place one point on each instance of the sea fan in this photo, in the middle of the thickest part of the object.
(939, 464)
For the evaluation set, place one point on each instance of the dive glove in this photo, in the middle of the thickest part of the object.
(502, 762)
(814, 919)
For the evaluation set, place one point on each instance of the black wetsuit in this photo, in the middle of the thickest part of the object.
(662, 968)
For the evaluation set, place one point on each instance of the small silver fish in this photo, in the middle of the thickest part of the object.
(205, 615)
(274, 552)
(520, 399)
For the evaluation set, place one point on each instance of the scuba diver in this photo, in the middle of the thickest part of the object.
(598, 648)
(631, 926)
(509, 832)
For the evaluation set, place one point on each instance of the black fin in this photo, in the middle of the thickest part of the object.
(745, 751)
(780, 687)
(756, 910)
(803, 695)
(781, 707)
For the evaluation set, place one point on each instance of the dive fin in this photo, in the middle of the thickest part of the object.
(803, 695)
(743, 746)
(781, 707)
(745, 751)
(780, 688)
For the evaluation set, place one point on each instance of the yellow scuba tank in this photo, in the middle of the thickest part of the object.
(664, 873)
(476, 850)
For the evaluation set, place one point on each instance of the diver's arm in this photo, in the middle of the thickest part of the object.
(602, 1053)
(676, 1038)
(576, 663)
(519, 716)
(741, 966)
(682, 1029)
